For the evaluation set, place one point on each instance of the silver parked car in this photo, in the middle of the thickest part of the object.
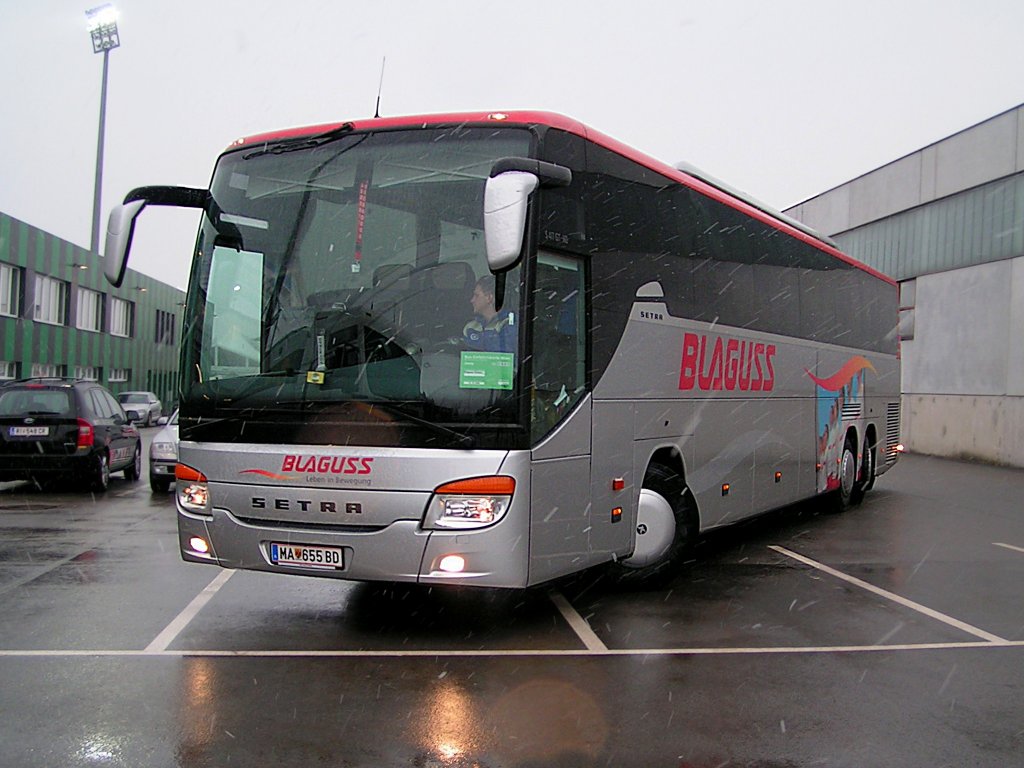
(163, 455)
(141, 407)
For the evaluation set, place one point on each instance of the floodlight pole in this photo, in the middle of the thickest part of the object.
(97, 188)
(102, 23)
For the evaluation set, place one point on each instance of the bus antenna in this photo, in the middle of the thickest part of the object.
(380, 86)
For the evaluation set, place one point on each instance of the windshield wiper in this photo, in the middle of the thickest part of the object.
(312, 142)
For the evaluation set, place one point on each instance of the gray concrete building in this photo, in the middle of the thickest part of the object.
(947, 221)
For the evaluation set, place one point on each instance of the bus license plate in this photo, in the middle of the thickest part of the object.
(29, 431)
(306, 556)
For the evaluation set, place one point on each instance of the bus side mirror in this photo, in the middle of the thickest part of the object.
(121, 224)
(120, 228)
(505, 204)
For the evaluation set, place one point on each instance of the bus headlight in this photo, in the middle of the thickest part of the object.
(193, 493)
(474, 503)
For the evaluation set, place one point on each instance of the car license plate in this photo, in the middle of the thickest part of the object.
(306, 556)
(29, 431)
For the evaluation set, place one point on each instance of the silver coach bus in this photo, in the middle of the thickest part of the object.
(496, 349)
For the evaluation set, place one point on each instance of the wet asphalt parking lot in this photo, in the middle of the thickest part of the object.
(892, 635)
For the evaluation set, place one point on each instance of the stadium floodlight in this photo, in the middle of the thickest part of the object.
(102, 25)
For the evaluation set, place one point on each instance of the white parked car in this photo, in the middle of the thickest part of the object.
(163, 455)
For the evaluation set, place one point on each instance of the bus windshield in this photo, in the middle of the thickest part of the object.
(340, 294)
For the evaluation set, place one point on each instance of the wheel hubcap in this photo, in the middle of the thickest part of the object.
(848, 472)
(655, 530)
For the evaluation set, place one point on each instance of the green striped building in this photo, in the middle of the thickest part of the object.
(60, 317)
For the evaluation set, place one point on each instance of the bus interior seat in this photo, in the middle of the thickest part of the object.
(387, 275)
(453, 278)
(443, 300)
(390, 289)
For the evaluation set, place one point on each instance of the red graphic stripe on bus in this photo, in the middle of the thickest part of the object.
(844, 375)
(263, 472)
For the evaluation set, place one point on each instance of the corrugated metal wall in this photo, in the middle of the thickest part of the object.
(980, 225)
(947, 221)
(153, 364)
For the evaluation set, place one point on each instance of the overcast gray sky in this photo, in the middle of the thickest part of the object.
(784, 99)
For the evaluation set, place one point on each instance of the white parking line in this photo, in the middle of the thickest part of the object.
(1008, 546)
(964, 627)
(608, 652)
(593, 644)
(578, 623)
(172, 630)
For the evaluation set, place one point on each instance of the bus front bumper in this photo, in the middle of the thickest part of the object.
(399, 552)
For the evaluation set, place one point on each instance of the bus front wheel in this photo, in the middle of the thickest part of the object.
(666, 528)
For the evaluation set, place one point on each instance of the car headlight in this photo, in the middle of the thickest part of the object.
(164, 451)
(474, 503)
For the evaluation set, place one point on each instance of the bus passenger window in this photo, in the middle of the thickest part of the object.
(559, 341)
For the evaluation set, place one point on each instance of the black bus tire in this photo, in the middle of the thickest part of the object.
(867, 475)
(841, 499)
(662, 486)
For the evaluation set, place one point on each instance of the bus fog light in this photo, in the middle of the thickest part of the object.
(199, 545)
(452, 564)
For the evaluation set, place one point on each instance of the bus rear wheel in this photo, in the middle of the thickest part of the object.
(867, 475)
(846, 496)
(666, 530)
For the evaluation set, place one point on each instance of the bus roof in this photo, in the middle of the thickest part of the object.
(694, 180)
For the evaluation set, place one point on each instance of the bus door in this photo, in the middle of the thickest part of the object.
(561, 525)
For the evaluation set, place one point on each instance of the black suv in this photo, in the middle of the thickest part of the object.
(52, 428)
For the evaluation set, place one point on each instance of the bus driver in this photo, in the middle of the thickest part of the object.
(489, 330)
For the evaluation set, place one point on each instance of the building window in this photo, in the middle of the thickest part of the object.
(47, 371)
(10, 290)
(8, 370)
(90, 310)
(165, 322)
(119, 375)
(122, 317)
(51, 300)
(87, 372)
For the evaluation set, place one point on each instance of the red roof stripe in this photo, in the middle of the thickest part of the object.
(555, 120)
